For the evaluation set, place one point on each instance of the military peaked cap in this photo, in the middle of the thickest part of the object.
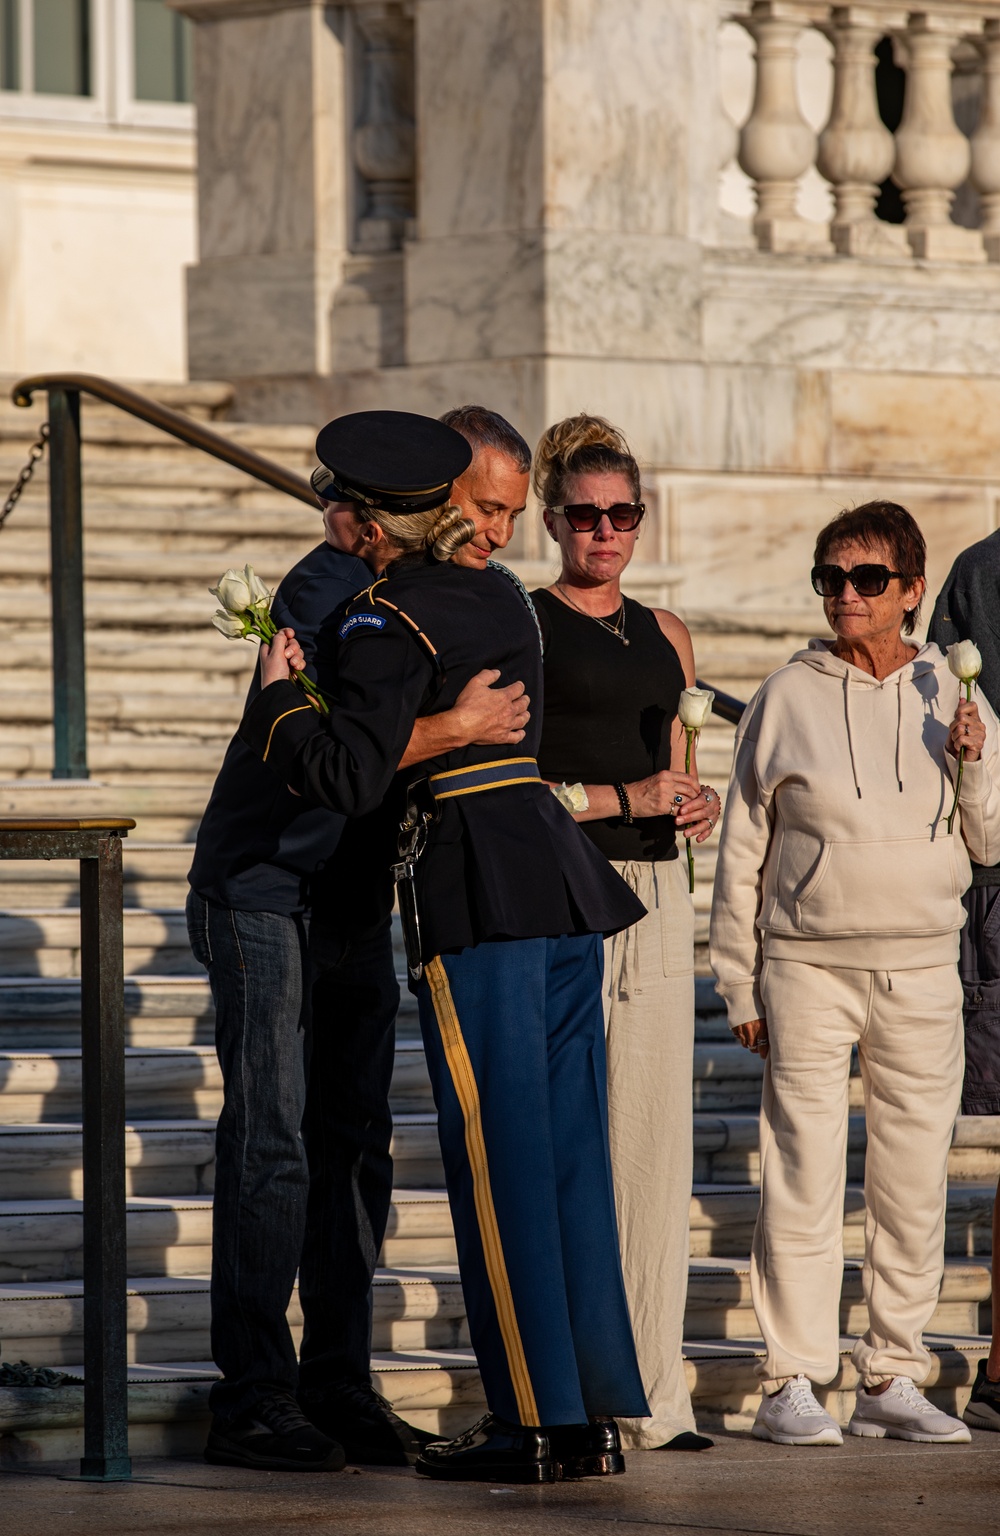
(389, 459)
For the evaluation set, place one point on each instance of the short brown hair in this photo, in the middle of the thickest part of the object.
(885, 524)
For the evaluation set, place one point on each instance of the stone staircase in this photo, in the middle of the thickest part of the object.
(165, 693)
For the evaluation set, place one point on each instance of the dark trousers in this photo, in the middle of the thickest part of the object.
(305, 1032)
(514, 1036)
(980, 967)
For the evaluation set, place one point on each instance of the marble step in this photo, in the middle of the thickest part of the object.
(173, 1157)
(161, 1082)
(723, 1216)
(414, 1309)
(43, 1013)
(719, 1304)
(42, 942)
(170, 1318)
(437, 1390)
(163, 813)
(154, 874)
(43, 1239)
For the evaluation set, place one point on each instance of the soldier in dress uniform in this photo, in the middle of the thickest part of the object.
(504, 903)
(303, 1172)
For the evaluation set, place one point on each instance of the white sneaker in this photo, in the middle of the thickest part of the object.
(903, 1413)
(794, 1417)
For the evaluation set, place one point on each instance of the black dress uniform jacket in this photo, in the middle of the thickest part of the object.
(509, 863)
(259, 848)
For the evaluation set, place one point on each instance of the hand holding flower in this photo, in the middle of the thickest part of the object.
(967, 735)
(246, 615)
(281, 659)
(693, 709)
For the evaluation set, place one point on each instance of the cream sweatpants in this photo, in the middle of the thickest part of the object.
(649, 1012)
(907, 1026)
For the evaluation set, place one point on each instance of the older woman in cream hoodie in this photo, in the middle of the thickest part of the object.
(835, 923)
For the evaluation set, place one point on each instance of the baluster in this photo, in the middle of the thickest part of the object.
(985, 173)
(932, 154)
(856, 149)
(777, 145)
(384, 137)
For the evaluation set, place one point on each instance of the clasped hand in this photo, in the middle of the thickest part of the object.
(696, 812)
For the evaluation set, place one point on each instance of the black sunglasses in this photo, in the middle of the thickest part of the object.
(867, 580)
(624, 516)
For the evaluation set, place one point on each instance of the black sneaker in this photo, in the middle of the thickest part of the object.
(587, 1450)
(275, 1437)
(983, 1411)
(492, 1451)
(364, 1424)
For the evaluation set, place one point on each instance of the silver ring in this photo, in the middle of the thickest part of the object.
(679, 799)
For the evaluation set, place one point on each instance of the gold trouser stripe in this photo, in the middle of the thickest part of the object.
(270, 734)
(460, 1066)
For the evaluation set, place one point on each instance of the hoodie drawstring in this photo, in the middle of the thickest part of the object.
(899, 738)
(850, 738)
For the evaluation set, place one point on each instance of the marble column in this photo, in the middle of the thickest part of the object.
(985, 143)
(777, 145)
(273, 204)
(932, 154)
(856, 149)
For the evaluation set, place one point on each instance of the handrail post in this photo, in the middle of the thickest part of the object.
(105, 1304)
(69, 684)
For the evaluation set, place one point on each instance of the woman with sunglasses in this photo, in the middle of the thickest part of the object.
(836, 925)
(614, 671)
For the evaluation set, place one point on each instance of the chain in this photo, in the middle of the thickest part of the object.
(34, 454)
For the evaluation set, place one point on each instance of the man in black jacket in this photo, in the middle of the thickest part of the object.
(306, 1042)
(968, 608)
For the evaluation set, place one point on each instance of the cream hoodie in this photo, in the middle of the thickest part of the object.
(834, 848)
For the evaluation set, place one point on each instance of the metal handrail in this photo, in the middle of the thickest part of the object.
(724, 704)
(69, 681)
(174, 422)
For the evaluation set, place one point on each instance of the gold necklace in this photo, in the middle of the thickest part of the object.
(616, 627)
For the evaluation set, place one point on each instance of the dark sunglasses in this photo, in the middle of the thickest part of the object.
(867, 580)
(624, 516)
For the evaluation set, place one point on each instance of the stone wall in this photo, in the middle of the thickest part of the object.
(547, 205)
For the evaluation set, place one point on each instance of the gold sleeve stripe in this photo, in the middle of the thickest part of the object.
(274, 727)
(500, 762)
(477, 789)
(460, 1066)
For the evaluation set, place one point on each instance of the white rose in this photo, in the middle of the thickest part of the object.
(572, 796)
(233, 592)
(229, 625)
(964, 660)
(260, 596)
(694, 707)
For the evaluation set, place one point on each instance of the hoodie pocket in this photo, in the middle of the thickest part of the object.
(908, 885)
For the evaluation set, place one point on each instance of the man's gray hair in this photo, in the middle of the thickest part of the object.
(483, 428)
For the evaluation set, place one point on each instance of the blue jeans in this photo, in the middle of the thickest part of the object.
(305, 1033)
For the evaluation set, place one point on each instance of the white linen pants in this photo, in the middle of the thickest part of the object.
(649, 1013)
(907, 1026)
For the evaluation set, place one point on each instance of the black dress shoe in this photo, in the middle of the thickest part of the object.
(354, 1414)
(492, 1451)
(274, 1437)
(687, 1440)
(587, 1450)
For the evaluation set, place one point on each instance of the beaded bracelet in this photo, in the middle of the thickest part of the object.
(625, 803)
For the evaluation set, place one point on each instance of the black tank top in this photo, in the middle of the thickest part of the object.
(609, 710)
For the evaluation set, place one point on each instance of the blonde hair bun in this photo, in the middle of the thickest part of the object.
(451, 530)
(577, 444)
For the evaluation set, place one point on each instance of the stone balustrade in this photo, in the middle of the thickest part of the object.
(928, 157)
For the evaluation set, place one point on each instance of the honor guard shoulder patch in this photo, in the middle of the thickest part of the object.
(360, 621)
